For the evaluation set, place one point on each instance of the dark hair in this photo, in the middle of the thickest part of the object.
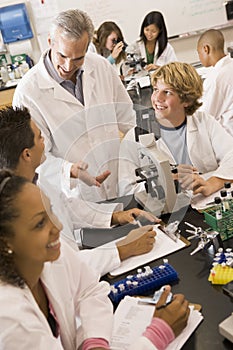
(100, 38)
(16, 134)
(10, 186)
(157, 19)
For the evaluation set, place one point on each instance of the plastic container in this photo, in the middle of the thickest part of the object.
(224, 226)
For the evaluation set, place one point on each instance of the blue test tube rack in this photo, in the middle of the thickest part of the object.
(146, 280)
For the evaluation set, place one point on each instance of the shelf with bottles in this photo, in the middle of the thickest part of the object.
(11, 73)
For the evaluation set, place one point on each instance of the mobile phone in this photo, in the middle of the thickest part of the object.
(228, 289)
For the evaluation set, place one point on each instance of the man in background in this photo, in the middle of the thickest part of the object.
(218, 85)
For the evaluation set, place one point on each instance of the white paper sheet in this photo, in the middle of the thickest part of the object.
(163, 246)
(144, 81)
(200, 202)
(131, 319)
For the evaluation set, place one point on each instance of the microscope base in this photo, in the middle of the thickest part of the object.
(159, 206)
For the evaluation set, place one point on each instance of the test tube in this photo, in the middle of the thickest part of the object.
(228, 188)
(218, 208)
(225, 203)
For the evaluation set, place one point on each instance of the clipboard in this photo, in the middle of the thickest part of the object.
(95, 237)
(164, 246)
(92, 238)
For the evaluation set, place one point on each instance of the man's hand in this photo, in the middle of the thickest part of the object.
(102, 177)
(176, 313)
(189, 179)
(137, 242)
(79, 170)
(128, 216)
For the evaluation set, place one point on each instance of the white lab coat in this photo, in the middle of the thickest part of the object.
(74, 291)
(210, 150)
(74, 132)
(167, 56)
(71, 212)
(218, 93)
(81, 305)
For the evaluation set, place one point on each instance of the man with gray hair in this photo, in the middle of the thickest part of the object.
(81, 106)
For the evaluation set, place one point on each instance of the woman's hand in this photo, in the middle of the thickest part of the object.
(151, 66)
(117, 50)
(176, 313)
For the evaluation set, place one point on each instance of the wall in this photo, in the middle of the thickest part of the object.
(186, 48)
(102, 10)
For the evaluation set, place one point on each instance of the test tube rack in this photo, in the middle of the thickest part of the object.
(222, 270)
(224, 225)
(146, 280)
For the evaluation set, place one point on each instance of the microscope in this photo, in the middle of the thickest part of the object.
(161, 194)
(136, 62)
(134, 73)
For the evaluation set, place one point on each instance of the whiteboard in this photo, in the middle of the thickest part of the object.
(182, 17)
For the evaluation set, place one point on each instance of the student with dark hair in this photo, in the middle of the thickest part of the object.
(22, 151)
(153, 44)
(45, 288)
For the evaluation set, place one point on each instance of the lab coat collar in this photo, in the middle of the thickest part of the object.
(222, 62)
(88, 76)
(192, 135)
(191, 125)
(51, 278)
(45, 81)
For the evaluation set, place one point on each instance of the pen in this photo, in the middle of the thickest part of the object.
(169, 234)
(136, 221)
(174, 168)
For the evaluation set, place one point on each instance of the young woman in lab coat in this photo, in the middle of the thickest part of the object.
(108, 41)
(189, 137)
(153, 44)
(49, 299)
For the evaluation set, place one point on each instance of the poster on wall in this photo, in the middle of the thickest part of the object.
(42, 12)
